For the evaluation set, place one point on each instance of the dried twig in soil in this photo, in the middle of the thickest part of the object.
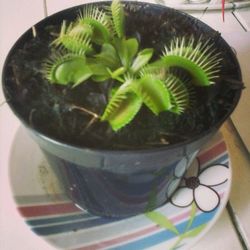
(89, 112)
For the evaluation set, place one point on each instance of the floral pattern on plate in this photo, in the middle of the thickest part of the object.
(198, 186)
(175, 225)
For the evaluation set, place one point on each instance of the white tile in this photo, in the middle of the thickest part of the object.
(240, 41)
(195, 5)
(214, 20)
(243, 16)
(16, 16)
(239, 197)
(213, 240)
(54, 6)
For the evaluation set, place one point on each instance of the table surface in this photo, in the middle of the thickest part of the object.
(232, 230)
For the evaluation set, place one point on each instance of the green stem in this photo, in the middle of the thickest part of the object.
(177, 243)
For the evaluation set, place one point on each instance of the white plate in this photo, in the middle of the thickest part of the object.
(195, 206)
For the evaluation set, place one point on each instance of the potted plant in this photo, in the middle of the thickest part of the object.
(120, 97)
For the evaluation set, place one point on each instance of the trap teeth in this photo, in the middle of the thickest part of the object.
(58, 58)
(76, 39)
(199, 58)
(179, 93)
(92, 12)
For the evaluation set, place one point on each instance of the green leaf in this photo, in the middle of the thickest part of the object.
(142, 59)
(162, 221)
(178, 92)
(100, 33)
(154, 71)
(116, 74)
(156, 65)
(108, 57)
(199, 59)
(99, 71)
(198, 74)
(75, 38)
(80, 29)
(98, 68)
(118, 17)
(72, 71)
(131, 49)
(122, 107)
(126, 50)
(99, 22)
(113, 91)
(153, 93)
(68, 69)
(99, 78)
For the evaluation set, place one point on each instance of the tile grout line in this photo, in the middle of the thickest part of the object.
(242, 26)
(239, 231)
(243, 145)
(203, 13)
(45, 8)
(237, 19)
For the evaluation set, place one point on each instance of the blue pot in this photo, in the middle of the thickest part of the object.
(119, 183)
(122, 183)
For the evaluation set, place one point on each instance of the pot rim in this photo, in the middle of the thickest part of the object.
(58, 142)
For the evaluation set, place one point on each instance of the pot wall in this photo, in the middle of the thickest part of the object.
(119, 184)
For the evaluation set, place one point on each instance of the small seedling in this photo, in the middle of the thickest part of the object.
(95, 47)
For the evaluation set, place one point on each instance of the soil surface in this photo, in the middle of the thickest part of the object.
(54, 110)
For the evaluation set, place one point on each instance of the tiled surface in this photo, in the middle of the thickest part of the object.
(200, 5)
(239, 198)
(57, 5)
(243, 15)
(213, 241)
(214, 20)
(240, 41)
(236, 35)
(17, 15)
(235, 30)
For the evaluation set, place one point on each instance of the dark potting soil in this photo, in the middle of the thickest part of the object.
(51, 109)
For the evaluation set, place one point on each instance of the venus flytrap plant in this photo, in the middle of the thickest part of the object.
(199, 60)
(118, 18)
(100, 23)
(155, 96)
(95, 47)
(65, 68)
(123, 106)
(179, 94)
(74, 38)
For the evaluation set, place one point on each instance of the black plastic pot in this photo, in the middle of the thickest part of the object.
(122, 183)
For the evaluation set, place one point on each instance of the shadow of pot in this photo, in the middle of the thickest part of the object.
(122, 183)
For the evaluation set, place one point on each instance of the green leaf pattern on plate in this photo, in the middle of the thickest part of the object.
(164, 222)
